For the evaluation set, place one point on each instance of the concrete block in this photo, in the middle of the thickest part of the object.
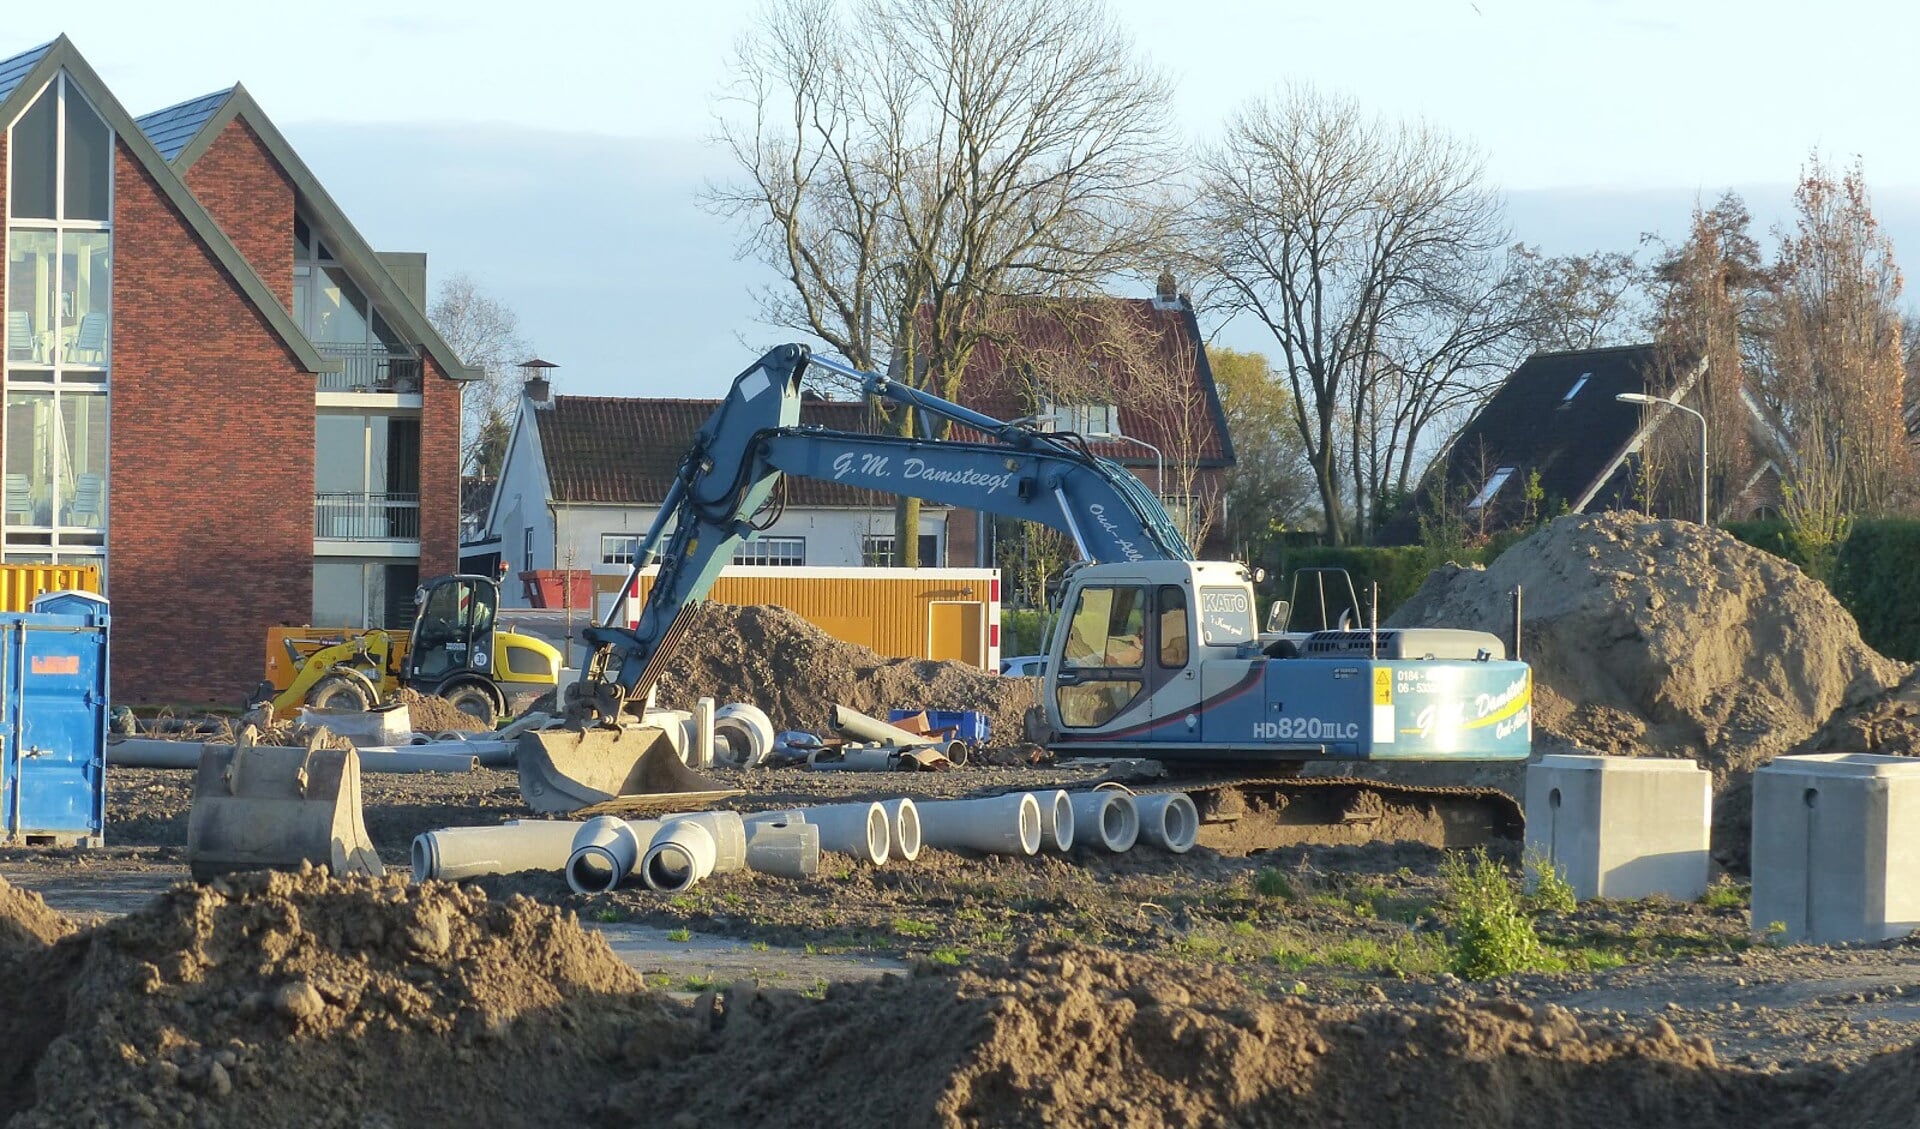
(1622, 827)
(1836, 847)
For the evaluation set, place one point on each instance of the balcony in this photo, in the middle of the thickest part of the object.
(366, 517)
(370, 368)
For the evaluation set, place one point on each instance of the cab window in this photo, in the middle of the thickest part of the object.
(1106, 628)
(1173, 626)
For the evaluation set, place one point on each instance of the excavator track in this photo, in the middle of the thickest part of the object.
(1248, 813)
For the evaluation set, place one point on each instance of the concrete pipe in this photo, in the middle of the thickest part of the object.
(859, 830)
(690, 848)
(1168, 820)
(148, 752)
(467, 852)
(856, 724)
(742, 735)
(604, 853)
(999, 825)
(903, 827)
(678, 725)
(703, 733)
(489, 751)
(783, 848)
(1056, 820)
(1105, 818)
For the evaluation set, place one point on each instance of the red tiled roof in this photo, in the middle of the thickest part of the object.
(624, 451)
(995, 384)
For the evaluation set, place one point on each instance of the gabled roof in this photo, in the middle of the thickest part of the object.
(995, 385)
(15, 70)
(624, 451)
(171, 129)
(62, 55)
(338, 231)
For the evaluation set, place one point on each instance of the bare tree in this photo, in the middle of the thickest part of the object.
(1586, 301)
(1834, 358)
(911, 167)
(485, 333)
(1337, 232)
(1270, 486)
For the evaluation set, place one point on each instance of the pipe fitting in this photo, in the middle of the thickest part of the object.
(1105, 818)
(783, 848)
(742, 735)
(604, 852)
(1169, 820)
(903, 826)
(1056, 820)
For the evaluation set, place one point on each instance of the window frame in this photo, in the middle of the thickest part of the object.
(614, 558)
(759, 552)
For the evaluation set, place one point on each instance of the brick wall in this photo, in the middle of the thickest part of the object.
(251, 198)
(439, 472)
(211, 503)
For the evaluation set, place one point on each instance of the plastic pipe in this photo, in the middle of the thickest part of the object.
(149, 752)
(742, 733)
(903, 826)
(859, 830)
(1168, 820)
(1001, 825)
(783, 848)
(604, 852)
(703, 732)
(466, 852)
(1105, 818)
(1056, 820)
(489, 751)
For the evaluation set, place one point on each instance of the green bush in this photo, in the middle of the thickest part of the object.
(1877, 577)
(1493, 936)
(1022, 631)
(1775, 536)
(1398, 569)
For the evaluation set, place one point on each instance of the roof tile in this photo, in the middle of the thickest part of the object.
(14, 71)
(173, 128)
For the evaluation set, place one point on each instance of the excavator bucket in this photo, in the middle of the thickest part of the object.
(632, 770)
(261, 807)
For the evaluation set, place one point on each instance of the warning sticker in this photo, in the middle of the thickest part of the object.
(1383, 687)
(56, 664)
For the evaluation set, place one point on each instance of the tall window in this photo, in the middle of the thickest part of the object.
(877, 550)
(58, 327)
(366, 476)
(771, 551)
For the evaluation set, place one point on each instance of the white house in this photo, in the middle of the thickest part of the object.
(584, 477)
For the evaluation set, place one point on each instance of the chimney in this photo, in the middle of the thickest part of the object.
(539, 383)
(1166, 295)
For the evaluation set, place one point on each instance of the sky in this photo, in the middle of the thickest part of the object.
(556, 152)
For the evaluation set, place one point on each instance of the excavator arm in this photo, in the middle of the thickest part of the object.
(726, 489)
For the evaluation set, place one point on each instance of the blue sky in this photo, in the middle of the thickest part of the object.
(554, 151)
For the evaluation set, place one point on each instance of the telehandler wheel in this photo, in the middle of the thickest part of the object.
(340, 692)
(474, 700)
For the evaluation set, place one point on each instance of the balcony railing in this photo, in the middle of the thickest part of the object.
(366, 517)
(370, 368)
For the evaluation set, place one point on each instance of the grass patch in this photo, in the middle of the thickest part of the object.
(1493, 934)
(758, 946)
(948, 957)
(908, 927)
(696, 983)
(1726, 895)
(1415, 954)
(680, 936)
(1271, 883)
(1547, 885)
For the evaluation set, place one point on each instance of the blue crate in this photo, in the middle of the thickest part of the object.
(969, 726)
(53, 736)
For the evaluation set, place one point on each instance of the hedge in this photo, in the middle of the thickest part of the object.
(1398, 569)
(1877, 577)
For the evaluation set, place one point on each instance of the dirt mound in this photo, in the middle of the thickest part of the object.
(292, 999)
(25, 921)
(797, 673)
(1083, 1036)
(437, 715)
(1663, 638)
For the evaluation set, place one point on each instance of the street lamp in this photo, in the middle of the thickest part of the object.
(1643, 398)
(1159, 463)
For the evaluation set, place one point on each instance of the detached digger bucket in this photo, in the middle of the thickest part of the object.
(261, 807)
(628, 771)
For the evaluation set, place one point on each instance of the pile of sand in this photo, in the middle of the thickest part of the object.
(797, 673)
(281, 1000)
(437, 715)
(1663, 638)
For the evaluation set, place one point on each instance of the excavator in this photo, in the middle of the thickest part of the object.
(1157, 662)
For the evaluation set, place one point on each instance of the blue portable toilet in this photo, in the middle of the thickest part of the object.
(53, 723)
(70, 601)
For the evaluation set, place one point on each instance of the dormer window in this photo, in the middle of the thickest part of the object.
(1577, 386)
(1087, 419)
(1494, 482)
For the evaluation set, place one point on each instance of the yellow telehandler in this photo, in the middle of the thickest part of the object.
(453, 652)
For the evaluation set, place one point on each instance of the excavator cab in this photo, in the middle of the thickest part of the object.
(452, 649)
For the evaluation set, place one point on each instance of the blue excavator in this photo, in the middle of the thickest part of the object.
(1156, 657)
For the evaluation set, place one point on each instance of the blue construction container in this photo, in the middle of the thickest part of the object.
(53, 728)
(969, 726)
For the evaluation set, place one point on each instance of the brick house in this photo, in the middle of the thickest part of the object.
(584, 476)
(216, 391)
(1133, 370)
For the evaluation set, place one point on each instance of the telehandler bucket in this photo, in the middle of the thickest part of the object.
(631, 770)
(267, 807)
